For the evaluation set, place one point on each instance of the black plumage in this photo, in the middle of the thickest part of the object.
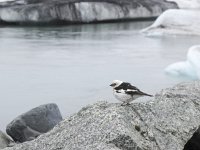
(126, 86)
(129, 89)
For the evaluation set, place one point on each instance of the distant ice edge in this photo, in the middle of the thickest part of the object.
(189, 68)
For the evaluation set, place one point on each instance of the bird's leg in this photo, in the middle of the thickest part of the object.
(125, 104)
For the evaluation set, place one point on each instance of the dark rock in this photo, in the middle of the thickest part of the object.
(163, 123)
(194, 142)
(33, 123)
(76, 11)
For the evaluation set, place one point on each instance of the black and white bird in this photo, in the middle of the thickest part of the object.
(125, 92)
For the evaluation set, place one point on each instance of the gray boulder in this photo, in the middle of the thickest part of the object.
(79, 11)
(4, 140)
(166, 122)
(34, 122)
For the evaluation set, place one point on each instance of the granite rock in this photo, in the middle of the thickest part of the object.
(34, 122)
(165, 122)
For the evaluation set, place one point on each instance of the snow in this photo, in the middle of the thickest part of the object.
(189, 68)
(175, 21)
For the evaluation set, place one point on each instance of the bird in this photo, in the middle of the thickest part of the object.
(125, 92)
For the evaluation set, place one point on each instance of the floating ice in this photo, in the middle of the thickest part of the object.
(175, 21)
(189, 68)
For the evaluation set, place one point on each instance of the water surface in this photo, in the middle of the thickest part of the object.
(74, 65)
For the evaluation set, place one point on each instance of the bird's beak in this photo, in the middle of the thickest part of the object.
(113, 84)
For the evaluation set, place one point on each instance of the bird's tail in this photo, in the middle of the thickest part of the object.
(147, 94)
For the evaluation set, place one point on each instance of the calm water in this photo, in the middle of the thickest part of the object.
(74, 65)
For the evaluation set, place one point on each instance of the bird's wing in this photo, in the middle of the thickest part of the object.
(134, 92)
(120, 91)
(129, 89)
(126, 86)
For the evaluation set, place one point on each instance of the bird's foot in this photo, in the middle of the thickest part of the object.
(125, 104)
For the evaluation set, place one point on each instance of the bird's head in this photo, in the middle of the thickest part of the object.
(116, 83)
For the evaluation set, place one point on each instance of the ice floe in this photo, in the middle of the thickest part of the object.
(189, 68)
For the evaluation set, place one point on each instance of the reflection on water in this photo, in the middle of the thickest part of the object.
(74, 65)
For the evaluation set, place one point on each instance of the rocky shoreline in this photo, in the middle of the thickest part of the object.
(169, 121)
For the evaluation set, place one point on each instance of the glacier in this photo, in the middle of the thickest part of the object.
(74, 11)
(189, 68)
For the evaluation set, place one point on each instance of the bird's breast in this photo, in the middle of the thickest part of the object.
(122, 96)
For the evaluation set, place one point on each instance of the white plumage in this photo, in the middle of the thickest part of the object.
(125, 92)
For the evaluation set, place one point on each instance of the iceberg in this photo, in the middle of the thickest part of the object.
(175, 22)
(77, 11)
(189, 68)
